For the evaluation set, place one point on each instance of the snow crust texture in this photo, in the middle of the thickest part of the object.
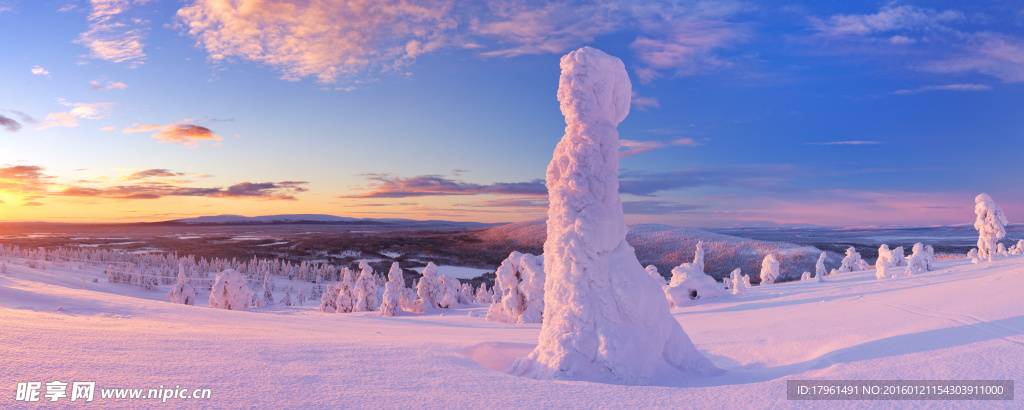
(604, 319)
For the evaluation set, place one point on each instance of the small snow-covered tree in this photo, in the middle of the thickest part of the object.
(483, 295)
(990, 223)
(345, 292)
(428, 289)
(1001, 250)
(746, 281)
(449, 292)
(805, 276)
(268, 296)
(973, 254)
(653, 271)
(301, 296)
(287, 299)
(689, 282)
(519, 281)
(919, 261)
(1017, 249)
(819, 268)
(881, 269)
(393, 291)
(736, 283)
(769, 269)
(853, 262)
(899, 258)
(230, 291)
(366, 290)
(182, 292)
(329, 299)
(885, 256)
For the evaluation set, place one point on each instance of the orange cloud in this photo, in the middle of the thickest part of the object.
(185, 134)
(111, 38)
(386, 186)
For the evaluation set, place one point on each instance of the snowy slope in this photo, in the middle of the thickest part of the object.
(962, 321)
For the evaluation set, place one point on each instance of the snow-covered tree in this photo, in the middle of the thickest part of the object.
(653, 271)
(466, 294)
(449, 287)
(428, 289)
(881, 269)
(919, 261)
(819, 268)
(746, 281)
(230, 291)
(268, 296)
(366, 290)
(1001, 250)
(736, 283)
(520, 279)
(393, 291)
(483, 295)
(689, 282)
(805, 276)
(604, 319)
(990, 223)
(345, 292)
(769, 269)
(973, 254)
(287, 299)
(1017, 249)
(899, 258)
(885, 256)
(329, 299)
(182, 292)
(853, 262)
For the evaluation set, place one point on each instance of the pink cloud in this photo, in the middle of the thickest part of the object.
(639, 147)
(184, 134)
(111, 37)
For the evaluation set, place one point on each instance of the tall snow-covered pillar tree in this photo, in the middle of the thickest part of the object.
(604, 319)
(990, 223)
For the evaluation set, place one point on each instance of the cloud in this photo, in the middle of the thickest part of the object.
(326, 40)
(849, 142)
(657, 207)
(888, 19)
(98, 85)
(642, 103)
(387, 186)
(112, 38)
(947, 87)
(10, 124)
(23, 179)
(353, 40)
(58, 119)
(685, 47)
(765, 178)
(32, 204)
(639, 147)
(93, 111)
(991, 54)
(108, 128)
(154, 173)
(37, 70)
(508, 203)
(184, 134)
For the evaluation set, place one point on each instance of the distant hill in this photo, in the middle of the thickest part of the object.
(326, 219)
(668, 246)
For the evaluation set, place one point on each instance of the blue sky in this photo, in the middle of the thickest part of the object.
(744, 113)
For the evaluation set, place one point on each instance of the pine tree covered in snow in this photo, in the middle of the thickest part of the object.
(466, 295)
(393, 291)
(329, 299)
(346, 294)
(520, 279)
(1001, 250)
(819, 268)
(449, 290)
(287, 299)
(366, 290)
(604, 319)
(182, 292)
(769, 269)
(920, 260)
(1018, 248)
(689, 282)
(736, 283)
(853, 262)
(230, 291)
(805, 276)
(300, 297)
(268, 296)
(990, 223)
(483, 295)
(899, 258)
(428, 289)
(973, 254)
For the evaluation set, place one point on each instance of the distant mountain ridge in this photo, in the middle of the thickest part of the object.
(228, 219)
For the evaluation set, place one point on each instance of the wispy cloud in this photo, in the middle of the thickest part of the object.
(69, 119)
(632, 147)
(114, 38)
(10, 124)
(947, 87)
(996, 55)
(889, 18)
(657, 207)
(388, 186)
(765, 178)
(844, 143)
(543, 28)
(685, 47)
(146, 184)
(58, 119)
(99, 85)
(184, 134)
(642, 103)
(37, 70)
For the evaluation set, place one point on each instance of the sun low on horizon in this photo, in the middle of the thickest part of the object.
(742, 113)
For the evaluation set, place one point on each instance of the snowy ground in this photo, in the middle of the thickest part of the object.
(961, 321)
